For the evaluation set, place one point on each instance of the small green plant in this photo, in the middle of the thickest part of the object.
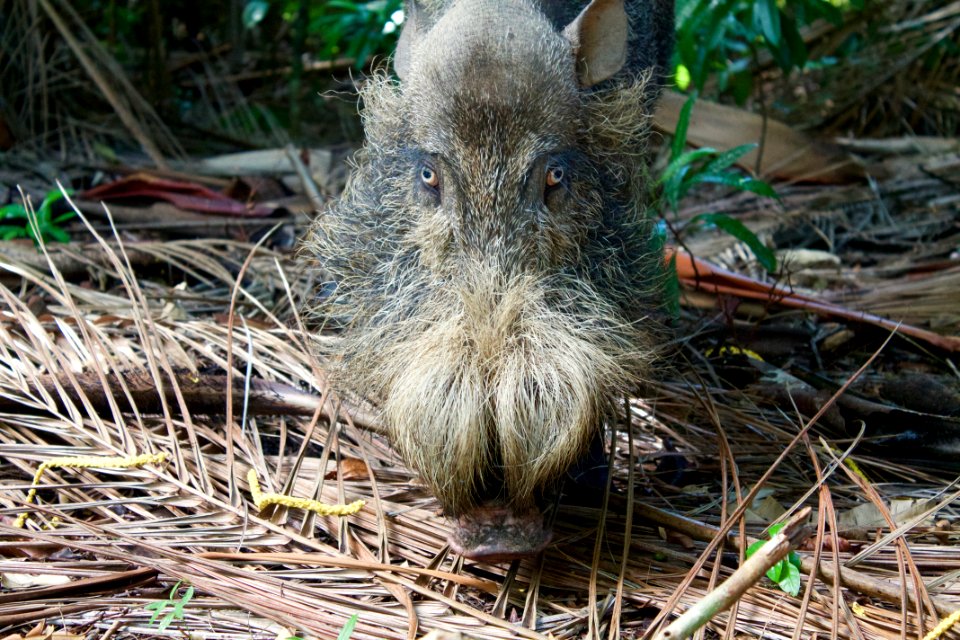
(171, 609)
(785, 573)
(687, 169)
(15, 221)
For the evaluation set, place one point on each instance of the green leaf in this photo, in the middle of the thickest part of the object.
(766, 16)
(48, 200)
(741, 183)
(742, 87)
(347, 630)
(63, 217)
(795, 44)
(685, 160)
(823, 9)
(786, 573)
(167, 619)
(254, 12)
(157, 608)
(729, 157)
(9, 232)
(775, 573)
(187, 596)
(738, 230)
(752, 549)
(671, 283)
(760, 188)
(57, 234)
(794, 558)
(790, 579)
(680, 134)
(13, 211)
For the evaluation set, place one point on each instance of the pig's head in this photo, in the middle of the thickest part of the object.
(490, 257)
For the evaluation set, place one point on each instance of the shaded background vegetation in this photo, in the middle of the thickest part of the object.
(259, 73)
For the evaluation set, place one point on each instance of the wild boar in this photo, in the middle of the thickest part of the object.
(492, 259)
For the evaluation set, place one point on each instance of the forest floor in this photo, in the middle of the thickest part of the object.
(157, 364)
(722, 436)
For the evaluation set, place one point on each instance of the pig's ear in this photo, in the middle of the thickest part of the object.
(408, 35)
(599, 39)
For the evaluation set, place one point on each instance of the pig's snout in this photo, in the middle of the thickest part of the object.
(498, 533)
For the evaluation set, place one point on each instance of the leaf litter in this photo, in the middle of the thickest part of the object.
(192, 520)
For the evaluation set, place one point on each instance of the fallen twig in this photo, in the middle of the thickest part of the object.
(203, 394)
(749, 573)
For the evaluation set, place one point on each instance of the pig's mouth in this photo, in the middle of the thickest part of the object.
(495, 533)
(499, 534)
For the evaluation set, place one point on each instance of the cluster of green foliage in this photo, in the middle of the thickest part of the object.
(16, 221)
(705, 165)
(342, 28)
(717, 40)
(722, 39)
(357, 30)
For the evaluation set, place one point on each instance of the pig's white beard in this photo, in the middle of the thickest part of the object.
(488, 374)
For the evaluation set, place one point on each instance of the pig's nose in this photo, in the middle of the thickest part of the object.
(498, 533)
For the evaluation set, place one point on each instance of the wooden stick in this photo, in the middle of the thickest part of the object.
(749, 573)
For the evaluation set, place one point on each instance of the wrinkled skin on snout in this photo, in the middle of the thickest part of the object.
(490, 259)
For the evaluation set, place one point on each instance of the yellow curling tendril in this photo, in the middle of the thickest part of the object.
(85, 462)
(732, 351)
(944, 626)
(265, 499)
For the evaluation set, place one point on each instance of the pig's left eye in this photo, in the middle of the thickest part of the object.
(554, 177)
(429, 177)
(431, 184)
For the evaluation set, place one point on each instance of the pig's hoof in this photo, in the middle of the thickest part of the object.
(499, 534)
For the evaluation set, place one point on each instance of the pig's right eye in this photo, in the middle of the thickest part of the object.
(430, 178)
